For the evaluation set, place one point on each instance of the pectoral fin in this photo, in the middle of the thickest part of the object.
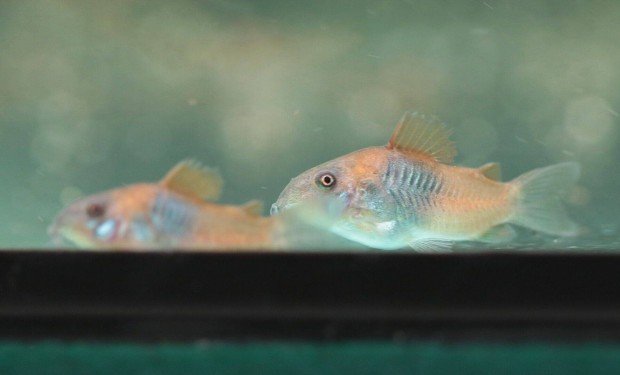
(431, 245)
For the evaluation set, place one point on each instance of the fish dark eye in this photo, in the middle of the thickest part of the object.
(326, 180)
(95, 210)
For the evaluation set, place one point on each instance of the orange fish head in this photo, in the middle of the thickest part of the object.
(102, 220)
(343, 180)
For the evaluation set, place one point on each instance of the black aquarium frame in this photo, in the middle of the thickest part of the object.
(174, 296)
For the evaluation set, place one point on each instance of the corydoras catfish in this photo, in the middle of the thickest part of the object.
(406, 194)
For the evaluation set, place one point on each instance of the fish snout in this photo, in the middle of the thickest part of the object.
(280, 207)
(56, 230)
(53, 232)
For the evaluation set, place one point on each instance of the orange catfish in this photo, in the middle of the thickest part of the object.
(406, 194)
(177, 212)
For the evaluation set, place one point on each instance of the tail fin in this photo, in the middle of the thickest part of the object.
(538, 204)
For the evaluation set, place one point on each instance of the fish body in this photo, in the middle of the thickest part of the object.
(405, 193)
(174, 213)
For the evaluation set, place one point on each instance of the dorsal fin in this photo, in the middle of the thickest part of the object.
(491, 171)
(424, 136)
(253, 207)
(191, 179)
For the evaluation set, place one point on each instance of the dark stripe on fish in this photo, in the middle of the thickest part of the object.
(388, 173)
(411, 185)
(438, 185)
(172, 215)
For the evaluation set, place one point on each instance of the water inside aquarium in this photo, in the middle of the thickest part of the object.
(98, 95)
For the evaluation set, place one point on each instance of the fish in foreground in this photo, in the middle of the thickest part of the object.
(178, 212)
(405, 193)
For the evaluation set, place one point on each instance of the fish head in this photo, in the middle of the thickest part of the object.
(344, 181)
(107, 219)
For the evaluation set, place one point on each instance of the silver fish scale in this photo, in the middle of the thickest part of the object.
(412, 188)
(171, 215)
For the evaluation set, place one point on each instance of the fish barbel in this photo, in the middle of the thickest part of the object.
(177, 213)
(405, 193)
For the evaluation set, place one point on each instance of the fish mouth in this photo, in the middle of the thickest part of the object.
(274, 210)
(57, 239)
(55, 232)
(67, 237)
(63, 234)
(278, 208)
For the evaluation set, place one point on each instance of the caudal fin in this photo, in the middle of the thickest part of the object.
(538, 203)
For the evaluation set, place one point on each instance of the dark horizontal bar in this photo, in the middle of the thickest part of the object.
(190, 296)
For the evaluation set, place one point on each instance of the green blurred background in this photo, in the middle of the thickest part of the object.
(98, 94)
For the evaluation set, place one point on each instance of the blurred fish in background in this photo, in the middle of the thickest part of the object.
(103, 93)
(178, 213)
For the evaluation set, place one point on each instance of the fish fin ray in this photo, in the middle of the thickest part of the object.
(253, 207)
(498, 234)
(191, 179)
(424, 135)
(538, 203)
(431, 245)
(491, 171)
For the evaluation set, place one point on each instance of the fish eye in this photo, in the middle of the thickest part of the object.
(95, 210)
(326, 180)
